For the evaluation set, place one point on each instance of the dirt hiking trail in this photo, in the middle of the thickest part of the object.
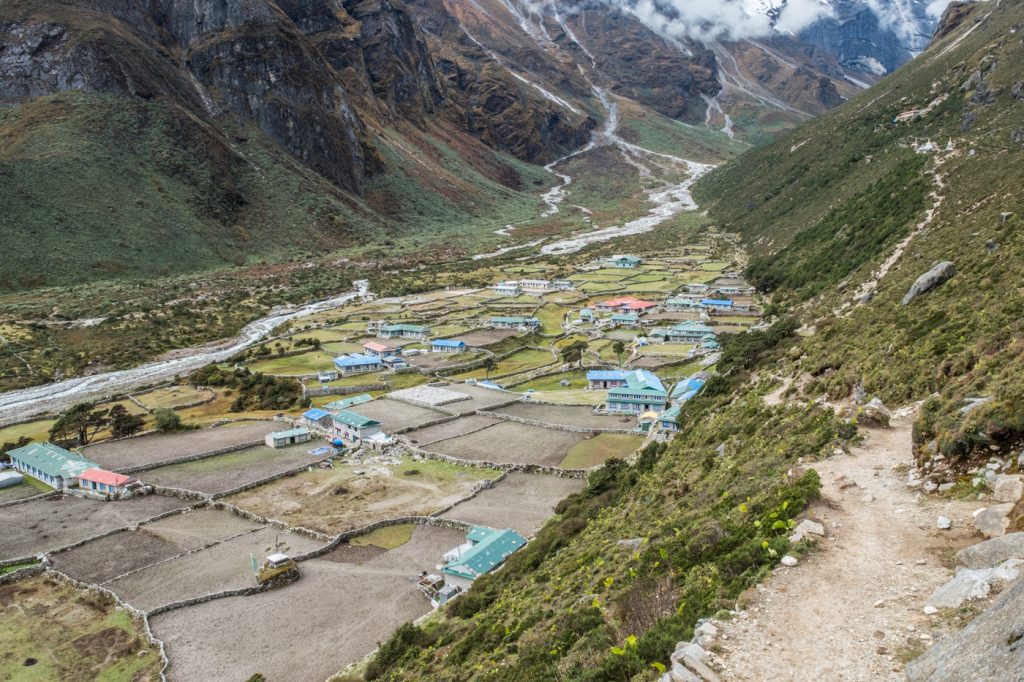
(852, 609)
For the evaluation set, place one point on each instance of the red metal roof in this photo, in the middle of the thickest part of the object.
(627, 302)
(374, 346)
(104, 476)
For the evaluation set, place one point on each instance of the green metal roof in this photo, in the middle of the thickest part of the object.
(640, 381)
(52, 460)
(349, 402)
(417, 328)
(485, 555)
(356, 421)
(514, 320)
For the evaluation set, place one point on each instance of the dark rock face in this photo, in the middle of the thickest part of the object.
(645, 67)
(861, 42)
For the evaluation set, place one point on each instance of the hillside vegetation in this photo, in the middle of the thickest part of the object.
(631, 563)
(823, 208)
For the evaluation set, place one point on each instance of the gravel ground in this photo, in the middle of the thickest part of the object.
(480, 398)
(161, 447)
(511, 443)
(44, 525)
(334, 615)
(396, 415)
(221, 567)
(18, 492)
(224, 472)
(485, 337)
(198, 527)
(456, 427)
(568, 415)
(520, 501)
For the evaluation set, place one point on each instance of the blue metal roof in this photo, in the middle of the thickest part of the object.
(315, 414)
(716, 301)
(356, 360)
(606, 375)
(689, 385)
(447, 343)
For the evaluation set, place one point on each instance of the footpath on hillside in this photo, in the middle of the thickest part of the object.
(853, 608)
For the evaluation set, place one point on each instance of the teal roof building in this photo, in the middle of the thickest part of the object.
(489, 550)
(642, 392)
(54, 466)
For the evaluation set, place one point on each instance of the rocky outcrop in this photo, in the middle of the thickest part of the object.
(993, 522)
(938, 274)
(992, 552)
(991, 647)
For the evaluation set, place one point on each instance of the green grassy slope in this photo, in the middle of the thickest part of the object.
(826, 205)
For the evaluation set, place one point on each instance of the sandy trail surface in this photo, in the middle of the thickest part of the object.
(852, 610)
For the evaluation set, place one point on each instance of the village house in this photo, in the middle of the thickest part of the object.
(625, 304)
(717, 304)
(345, 403)
(622, 261)
(403, 331)
(326, 376)
(537, 285)
(281, 439)
(697, 288)
(394, 362)
(353, 428)
(686, 332)
(317, 418)
(679, 304)
(357, 364)
(373, 326)
(563, 285)
(54, 466)
(710, 343)
(587, 314)
(734, 290)
(377, 349)
(668, 420)
(106, 482)
(507, 288)
(642, 392)
(484, 550)
(523, 323)
(626, 319)
(447, 346)
(603, 379)
(686, 389)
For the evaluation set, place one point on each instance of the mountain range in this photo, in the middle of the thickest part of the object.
(181, 136)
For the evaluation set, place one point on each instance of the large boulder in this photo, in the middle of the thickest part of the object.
(992, 552)
(875, 413)
(939, 273)
(973, 583)
(1008, 488)
(995, 520)
(991, 647)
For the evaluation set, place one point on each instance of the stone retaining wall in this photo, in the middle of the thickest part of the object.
(32, 498)
(23, 573)
(479, 464)
(341, 390)
(342, 538)
(434, 422)
(191, 458)
(256, 518)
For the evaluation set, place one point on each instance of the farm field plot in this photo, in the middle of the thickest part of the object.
(599, 449)
(338, 499)
(479, 398)
(43, 525)
(668, 316)
(101, 560)
(172, 396)
(307, 363)
(36, 430)
(198, 527)
(222, 567)
(456, 427)
(567, 415)
(658, 286)
(224, 472)
(396, 415)
(323, 335)
(520, 361)
(575, 396)
(551, 316)
(666, 349)
(577, 379)
(342, 347)
(359, 604)
(71, 634)
(161, 447)
(510, 443)
(435, 360)
(520, 501)
(20, 492)
(486, 337)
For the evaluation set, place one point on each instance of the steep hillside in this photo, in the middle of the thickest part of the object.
(847, 212)
(630, 565)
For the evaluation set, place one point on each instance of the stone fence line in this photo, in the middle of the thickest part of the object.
(558, 472)
(340, 390)
(271, 478)
(593, 430)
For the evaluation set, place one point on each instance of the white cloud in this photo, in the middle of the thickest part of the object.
(937, 7)
(720, 19)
